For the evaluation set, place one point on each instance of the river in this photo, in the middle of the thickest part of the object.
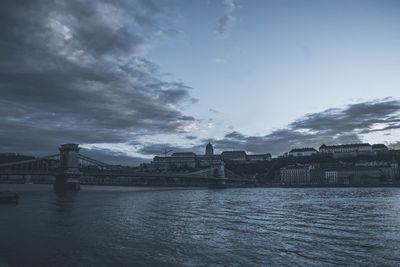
(139, 226)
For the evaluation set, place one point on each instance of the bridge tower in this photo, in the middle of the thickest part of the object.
(68, 179)
(69, 157)
(219, 178)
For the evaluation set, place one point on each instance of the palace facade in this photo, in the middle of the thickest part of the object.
(192, 160)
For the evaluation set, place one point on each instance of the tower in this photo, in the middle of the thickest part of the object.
(69, 157)
(209, 149)
(68, 178)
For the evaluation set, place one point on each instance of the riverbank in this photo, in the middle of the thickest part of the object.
(203, 185)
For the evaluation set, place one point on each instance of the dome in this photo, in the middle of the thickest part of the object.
(209, 149)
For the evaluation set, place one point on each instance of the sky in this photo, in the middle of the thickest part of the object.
(129, 79)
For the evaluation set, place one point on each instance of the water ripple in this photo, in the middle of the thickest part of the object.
(120, 226)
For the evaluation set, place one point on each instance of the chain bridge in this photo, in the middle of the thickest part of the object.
(69, 168)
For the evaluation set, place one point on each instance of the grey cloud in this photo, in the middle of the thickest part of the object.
(278, 141)
(355, 118)
(75, 71)
(332, 126)
(225, 22)
(214, 111)
(159, 149)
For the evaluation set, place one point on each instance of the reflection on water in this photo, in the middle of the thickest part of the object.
(120, 226)
(64, 201)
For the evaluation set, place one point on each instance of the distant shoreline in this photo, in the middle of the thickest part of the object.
(229, 186)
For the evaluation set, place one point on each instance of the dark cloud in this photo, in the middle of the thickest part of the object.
(225, 22)
(332, 126)
(160, 149)
(278, 141)
(354, 118)
(75, 71)
(191, 137)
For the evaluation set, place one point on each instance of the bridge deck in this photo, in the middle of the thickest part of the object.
(110, 171)
(123, 174)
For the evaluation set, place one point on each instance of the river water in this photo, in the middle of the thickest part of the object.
(133, 226)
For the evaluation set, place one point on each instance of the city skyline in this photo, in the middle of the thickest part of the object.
(127, 80)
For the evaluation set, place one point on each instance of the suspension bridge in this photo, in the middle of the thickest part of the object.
(69, 168)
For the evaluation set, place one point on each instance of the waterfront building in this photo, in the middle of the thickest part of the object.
(299, 152)
(391, 170)
(317, 176)
(366, 173)
(296, 174)
(331, 176)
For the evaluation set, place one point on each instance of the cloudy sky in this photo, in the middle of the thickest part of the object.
(128, 79)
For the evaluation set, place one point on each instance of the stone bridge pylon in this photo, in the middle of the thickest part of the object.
(68, 178)
(218, 179)
(69, 157)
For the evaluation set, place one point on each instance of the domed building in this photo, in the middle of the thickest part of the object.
(209, 149)
(191, 160)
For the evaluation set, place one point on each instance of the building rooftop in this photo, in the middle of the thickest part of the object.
(234, 153)
(305, 149)
(377, 146)
(183, 154)
(343, 146)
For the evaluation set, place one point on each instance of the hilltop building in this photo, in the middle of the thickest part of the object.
(353, 150)
(364, 147)
(299, 152)
(340, 151)
(191, 160)
(209, 149)
(380, 148)
(177, 160)
(239, 155)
